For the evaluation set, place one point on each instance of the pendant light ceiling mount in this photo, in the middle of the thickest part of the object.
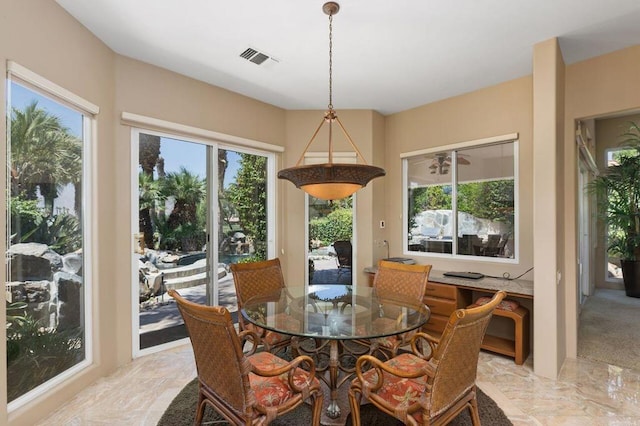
(331, 181)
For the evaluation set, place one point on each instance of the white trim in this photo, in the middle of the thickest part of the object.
(135, 270)
(182, 130)
(465, 144)
(17, 70)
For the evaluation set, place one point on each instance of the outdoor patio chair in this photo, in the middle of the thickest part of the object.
(259, 279)
(398, 281)
(252, 388)
(343, 254)
(428, 388)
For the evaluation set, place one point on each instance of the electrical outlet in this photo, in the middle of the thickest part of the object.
(382, 224)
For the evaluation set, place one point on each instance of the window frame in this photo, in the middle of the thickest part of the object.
(215, 141)
(89, 111)
(454, 148)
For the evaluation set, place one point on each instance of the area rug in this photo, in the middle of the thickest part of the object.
(608, 330)
(182, 410)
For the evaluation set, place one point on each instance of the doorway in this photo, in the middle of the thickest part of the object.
(330, 238)
(199, 206)
(605, 311)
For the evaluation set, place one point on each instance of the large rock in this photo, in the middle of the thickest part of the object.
(72, 262)
(32, 262)
(70, 300)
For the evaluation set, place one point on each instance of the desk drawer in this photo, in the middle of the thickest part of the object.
(441, 306)
(442, 291)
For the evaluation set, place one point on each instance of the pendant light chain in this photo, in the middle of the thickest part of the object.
(330, 62)
(331, 181)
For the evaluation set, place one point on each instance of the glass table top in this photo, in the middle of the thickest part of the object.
(335, 312)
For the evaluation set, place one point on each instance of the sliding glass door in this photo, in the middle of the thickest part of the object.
(200, 207)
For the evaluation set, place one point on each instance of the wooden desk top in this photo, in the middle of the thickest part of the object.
(515, 288)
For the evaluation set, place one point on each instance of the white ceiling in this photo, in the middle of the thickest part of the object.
(388, 55)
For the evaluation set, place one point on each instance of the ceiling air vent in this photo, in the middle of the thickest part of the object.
(254, 56)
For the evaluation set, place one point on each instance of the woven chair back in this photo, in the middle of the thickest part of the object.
(401, 282)
(221, 365)
(456, 357)
(256, 279)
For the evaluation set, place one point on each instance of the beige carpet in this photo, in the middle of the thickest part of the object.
(609, 329)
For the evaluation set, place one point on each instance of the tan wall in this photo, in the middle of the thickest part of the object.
(494, 111)
(603, 86)
(154, 92)
(39, 35)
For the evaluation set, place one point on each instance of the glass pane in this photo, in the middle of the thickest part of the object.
(45, 288)
(485, 201)
(330, 240)
(430, 201)
(613, 266)
(172, 217)
(242, 222)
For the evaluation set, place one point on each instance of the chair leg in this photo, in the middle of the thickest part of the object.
(318, 399)
(475, 416)
(354, 402)
(200, 410)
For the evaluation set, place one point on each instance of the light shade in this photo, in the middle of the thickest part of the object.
(331, 181)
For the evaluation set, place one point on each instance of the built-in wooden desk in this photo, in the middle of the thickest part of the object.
(446, 294)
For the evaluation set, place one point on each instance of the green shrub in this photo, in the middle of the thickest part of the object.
(336, 226)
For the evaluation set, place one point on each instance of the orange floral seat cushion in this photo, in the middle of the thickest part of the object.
(273, 391)
(397, 391)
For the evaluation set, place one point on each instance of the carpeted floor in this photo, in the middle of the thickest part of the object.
(608, 329)
(182, 410)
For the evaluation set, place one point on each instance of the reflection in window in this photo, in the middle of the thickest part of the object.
(462, 202)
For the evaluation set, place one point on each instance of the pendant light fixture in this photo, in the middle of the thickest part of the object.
(331, 181)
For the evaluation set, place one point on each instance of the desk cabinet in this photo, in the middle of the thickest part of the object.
(443, 299)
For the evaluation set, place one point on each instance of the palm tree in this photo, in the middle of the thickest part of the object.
(149, 153)
(187, 190)
(44, 155)
(149, 195)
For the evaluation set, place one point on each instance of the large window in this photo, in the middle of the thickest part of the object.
(48, 268)
(462, 202)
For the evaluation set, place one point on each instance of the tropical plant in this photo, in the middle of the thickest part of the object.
(30, 223)
(248, 195)
(187, 190)
(618, 201)
(44, 155)
(149, 195)
(36, 354)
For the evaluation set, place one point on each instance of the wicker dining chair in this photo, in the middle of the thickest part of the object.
(252, 388)
(401, 282)
(428, 387)
(259, 279)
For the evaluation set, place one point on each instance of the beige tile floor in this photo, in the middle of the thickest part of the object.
(585, 393)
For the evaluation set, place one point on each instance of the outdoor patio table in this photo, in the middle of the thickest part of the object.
(332, 315)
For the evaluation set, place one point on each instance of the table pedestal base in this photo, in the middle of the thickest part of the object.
(335, 366)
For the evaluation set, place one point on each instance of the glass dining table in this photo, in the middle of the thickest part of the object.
(334, 323)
